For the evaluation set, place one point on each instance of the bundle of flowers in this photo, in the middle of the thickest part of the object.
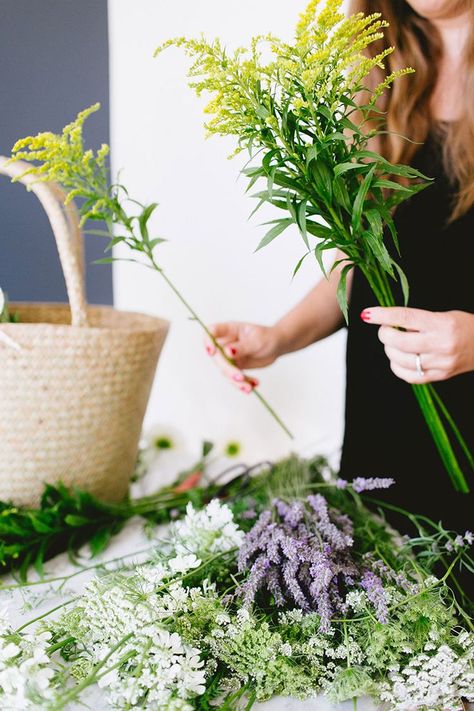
(308, 114)
(283, 592)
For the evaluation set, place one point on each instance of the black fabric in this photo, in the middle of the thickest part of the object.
(385, 432)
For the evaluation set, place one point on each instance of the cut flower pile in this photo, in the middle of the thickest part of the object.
(293, 588)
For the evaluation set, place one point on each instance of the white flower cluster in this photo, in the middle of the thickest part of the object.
(122, 619)
(436, 679)
(211, 530)
(25, 669)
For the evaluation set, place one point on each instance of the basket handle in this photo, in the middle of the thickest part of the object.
(67, 232)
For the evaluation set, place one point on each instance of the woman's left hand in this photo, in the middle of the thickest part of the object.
(435, 345)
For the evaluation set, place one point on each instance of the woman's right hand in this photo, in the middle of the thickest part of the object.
(247, 345)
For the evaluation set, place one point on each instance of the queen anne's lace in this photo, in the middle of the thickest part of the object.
(438, 678)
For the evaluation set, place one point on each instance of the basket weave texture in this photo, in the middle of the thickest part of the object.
(74, 390)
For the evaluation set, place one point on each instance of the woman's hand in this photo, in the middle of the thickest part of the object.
(443, 342)
(247, 346)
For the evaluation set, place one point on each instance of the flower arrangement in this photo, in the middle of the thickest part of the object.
(84, 174)
(308, 132)
(70, 518)
(292, 589)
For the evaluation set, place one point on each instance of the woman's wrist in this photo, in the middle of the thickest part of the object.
(279, 344)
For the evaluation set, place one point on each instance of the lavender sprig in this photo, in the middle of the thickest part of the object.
(301, 554)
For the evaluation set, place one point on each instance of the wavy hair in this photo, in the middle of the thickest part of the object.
(407, 104)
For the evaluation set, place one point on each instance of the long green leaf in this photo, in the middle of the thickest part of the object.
(276, 230)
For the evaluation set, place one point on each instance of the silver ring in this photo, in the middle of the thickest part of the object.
(419, 369)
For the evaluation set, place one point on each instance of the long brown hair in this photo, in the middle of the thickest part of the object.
(407, 104)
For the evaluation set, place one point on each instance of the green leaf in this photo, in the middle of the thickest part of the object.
(375, 221)
(100, 541)
(301, 221)
(323, 109)
(38, 562)
(104, 260)
(318, 230)
(341, 194)
(277, 229)
(344, 167)
(144, 217)
(379, 251)
(154, 242)
(342, 291)
(207, 448)
(390, 185)
(299, 265)
(323, 177)
(360, 198)
(312, 153)
(39, 525)
(403, 282)
(76, 521)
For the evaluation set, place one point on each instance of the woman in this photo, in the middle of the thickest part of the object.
(385, 433)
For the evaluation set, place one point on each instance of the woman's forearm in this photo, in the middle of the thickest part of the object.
(318, 315)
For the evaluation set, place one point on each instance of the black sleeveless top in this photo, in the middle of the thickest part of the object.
(385, 432)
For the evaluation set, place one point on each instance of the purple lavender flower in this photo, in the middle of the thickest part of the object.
(342, 483)
(301, 554)
(376, 594)
(360, 483)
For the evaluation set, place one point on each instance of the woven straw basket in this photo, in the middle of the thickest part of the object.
(74, 380)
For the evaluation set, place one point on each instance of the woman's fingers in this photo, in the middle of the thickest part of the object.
(240, 380)
(223, 333)
(413, 377)
(226, 335)
(399, 317)
(406, 341)
(429, 361)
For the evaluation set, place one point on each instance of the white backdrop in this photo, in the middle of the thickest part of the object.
(158, 141)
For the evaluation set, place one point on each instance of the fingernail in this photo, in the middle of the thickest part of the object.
(246, 388)
(366, 315)
(210, 350)
(238, 377)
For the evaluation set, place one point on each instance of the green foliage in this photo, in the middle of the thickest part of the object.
(68, 518)
(297, 115)
(301, 115)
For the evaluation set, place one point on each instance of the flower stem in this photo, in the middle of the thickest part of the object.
(196, 318)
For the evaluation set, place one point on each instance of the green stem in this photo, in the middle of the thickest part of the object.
(428, 399)
(48, 613)
(440, 436)
(195, 316)
(452, 424)
(63, 578)
(92, 677)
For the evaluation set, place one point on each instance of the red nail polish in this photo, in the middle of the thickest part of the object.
(366, 315)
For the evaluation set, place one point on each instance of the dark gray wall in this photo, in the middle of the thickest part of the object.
(53, 63)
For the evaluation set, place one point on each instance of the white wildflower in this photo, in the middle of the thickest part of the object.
(437, 678)
(182, 563)
(211, 530)
(286, 649)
